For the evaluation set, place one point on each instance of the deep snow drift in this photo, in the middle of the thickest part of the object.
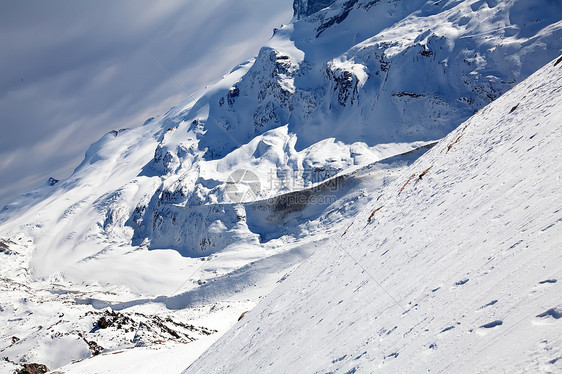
(455, 268)
(147, 226)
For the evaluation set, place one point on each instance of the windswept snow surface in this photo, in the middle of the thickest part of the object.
(458, 270)
(55, 321)
(347, 95)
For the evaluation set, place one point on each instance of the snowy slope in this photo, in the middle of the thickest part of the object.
(56, 322)
(458, 270)
(146, 224)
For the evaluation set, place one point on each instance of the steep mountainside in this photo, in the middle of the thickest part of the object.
(346, 86)
(455, 268)
(166, 219)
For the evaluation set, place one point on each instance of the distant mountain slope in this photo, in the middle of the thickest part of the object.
(383, 71)
(337, 89)
(455, 268)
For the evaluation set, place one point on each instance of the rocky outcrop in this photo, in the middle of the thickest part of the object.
(32, 369)
(304, 8)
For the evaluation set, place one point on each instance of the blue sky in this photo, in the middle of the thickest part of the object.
(71, 71)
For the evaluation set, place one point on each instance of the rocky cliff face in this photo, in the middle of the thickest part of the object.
(381, 81)
(304, 8)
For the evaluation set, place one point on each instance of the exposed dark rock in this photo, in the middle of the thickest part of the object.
(5, 247)
(117, 132)
(148, 328)
(426, 53)
(103, 323)
(347, 85)
(32, 369)
(233, 93)
(410, 94)
(304, 8)
(347, 7)
(242, 315)
(92, 345)
(111, 318)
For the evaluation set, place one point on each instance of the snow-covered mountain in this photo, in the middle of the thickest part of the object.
(455, 268)
(165, 225)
